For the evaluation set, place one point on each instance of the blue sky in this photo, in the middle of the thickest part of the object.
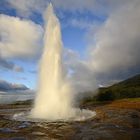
(92, 32)
(73, 37)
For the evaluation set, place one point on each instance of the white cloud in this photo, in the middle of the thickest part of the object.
(18, 37)
(77, 5)
(25, 8)
(117, 47)
(102, 7)
(83, 23)
(114, 50)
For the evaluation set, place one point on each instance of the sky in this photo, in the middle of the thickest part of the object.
(101, 40)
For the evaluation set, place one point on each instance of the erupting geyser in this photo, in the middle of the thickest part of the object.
(54, 98)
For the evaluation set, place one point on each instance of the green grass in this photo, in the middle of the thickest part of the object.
(132, 99)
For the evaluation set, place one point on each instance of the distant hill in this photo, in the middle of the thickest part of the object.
(129, 88)
(131, 82)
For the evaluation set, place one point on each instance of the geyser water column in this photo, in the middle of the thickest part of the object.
(53, 100)
(54, 97)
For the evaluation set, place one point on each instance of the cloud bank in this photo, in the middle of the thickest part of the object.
(10, 92)
(9, 87)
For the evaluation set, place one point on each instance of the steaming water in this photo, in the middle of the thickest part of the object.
(54, 98)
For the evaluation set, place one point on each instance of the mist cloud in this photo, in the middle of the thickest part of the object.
(116, 50)
(81, 75)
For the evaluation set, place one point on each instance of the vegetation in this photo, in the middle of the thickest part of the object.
(129, 88)
(27, 102)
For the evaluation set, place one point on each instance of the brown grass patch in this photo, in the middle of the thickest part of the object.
(126, 104)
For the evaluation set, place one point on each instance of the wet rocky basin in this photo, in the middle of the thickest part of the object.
(110, 123)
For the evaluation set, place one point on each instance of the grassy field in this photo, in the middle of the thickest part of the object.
(129, 88)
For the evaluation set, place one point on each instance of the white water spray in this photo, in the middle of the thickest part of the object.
(54, 98)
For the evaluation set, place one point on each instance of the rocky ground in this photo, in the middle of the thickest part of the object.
(118, 120)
